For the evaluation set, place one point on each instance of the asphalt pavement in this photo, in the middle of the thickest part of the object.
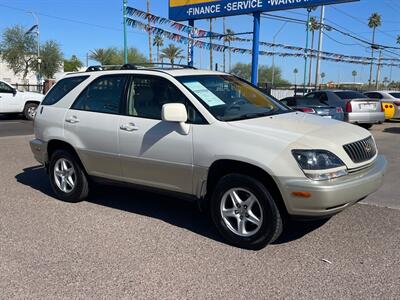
(127, 244)
(12, 125)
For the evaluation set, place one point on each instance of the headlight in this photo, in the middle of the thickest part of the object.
(320, 164)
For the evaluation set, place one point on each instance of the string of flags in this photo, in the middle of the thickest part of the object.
(192, 31)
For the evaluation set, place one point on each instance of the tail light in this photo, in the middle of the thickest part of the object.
(339, 110)
(308, 110)
(397, 102)
(348, 107)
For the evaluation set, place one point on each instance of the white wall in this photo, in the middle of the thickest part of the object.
(8, 75)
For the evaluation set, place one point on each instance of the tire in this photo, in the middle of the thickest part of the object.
(75, 186)
(254, 237)
(30, 111)
(366, 126)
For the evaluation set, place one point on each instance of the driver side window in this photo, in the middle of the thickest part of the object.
(5, 88)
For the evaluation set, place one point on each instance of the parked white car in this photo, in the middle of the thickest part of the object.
(13, 101)
(390, 102)
(205, 136)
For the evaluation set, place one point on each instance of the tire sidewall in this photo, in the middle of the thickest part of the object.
(271, 217)
(27, 106)
(75, 194)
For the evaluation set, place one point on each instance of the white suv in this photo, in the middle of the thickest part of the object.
(206, 136)
(13, 101)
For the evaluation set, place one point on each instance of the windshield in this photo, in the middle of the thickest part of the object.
(228, 98)
(396, 95)
(350, 95)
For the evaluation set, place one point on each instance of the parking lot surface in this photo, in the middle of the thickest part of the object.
(127, 244)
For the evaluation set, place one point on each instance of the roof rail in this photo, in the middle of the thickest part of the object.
(138, 66)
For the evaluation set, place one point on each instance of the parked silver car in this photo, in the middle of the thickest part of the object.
(358, 108)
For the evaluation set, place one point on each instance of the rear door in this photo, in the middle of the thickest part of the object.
(92, 125)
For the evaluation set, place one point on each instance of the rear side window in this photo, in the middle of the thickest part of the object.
(349, 95)
(62, 88)
(103, 95)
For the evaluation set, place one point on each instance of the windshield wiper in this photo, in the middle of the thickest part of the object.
(249, 116)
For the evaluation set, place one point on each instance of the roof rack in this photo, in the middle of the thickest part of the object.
(139, 66)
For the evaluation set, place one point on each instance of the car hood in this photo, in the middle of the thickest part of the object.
(303, 129)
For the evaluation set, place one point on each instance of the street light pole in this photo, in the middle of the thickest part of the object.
(124, 5)
(39, 61)
(273, 56)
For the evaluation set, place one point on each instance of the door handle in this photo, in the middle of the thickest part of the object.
(129, 127)
(72, 120)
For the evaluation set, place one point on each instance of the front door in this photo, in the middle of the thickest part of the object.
(92, 124)
(8, 99)
(153, 152)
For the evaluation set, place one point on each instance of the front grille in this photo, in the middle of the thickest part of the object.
(362, 150)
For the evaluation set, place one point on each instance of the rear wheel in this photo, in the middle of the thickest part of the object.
(67, 178)
(366, 126)
(245, 213)
(30, 111)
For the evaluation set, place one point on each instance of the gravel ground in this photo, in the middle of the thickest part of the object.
(126, 244)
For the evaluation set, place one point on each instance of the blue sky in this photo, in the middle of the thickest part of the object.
(82, 25)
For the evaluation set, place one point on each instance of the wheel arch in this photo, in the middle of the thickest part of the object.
(224, 167)
(55, 144)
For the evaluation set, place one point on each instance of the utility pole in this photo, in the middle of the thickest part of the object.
(211, 49)
(378, 71)
(223, 39)
(306, 50)
(273, 56)
(124, 4)
(149, 31)
(320, 41)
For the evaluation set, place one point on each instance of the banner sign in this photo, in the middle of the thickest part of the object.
(183, 10)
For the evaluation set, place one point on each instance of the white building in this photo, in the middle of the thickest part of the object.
(6, 74)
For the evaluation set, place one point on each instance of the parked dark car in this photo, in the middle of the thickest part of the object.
(314, 106)
(358, 108)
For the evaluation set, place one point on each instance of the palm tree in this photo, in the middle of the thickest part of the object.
(295, 72)
(354, 74)
(322, 77)
(313, 26)
(228, 38)
(158, 42)
(172, 52)
(103, 56)
(398, 39)
(374, 21)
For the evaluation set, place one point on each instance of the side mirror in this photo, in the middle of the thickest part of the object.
(176, 112)
(14, 92)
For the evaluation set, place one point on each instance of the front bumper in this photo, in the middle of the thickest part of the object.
(365, 117)
(330, 197)
(39, 150)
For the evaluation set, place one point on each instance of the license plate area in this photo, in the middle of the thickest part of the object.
(367, 106)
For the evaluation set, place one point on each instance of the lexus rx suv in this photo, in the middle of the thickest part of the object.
(205, 136)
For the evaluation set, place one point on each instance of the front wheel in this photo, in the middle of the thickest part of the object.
(30, 111)
(67, 178)
(245, 213)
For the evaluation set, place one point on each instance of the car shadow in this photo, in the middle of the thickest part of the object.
(173, 211)
(392, 130)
